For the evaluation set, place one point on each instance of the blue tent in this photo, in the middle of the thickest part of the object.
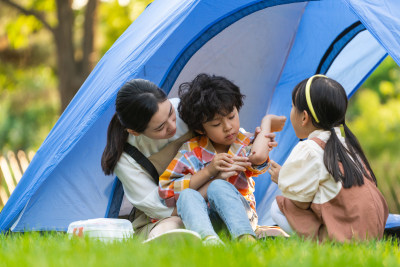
(266, 47)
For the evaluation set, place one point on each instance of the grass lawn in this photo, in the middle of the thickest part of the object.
(56, 249)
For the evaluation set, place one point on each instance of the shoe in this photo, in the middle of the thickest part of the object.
(176, 235)
(246, 238)
(213, 241)
(264, 232)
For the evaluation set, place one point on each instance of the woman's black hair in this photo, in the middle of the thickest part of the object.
(329, 101)
(205, 97)
(137, 101)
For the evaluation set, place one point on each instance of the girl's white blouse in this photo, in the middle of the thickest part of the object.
(304, 177)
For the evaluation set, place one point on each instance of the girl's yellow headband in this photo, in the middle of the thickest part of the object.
(308, 95)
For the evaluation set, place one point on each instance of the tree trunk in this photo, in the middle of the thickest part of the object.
(72, 72)
(66, 67)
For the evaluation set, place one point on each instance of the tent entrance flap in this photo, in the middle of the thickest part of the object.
(251, 52)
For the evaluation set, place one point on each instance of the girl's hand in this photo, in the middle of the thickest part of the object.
(274, 171)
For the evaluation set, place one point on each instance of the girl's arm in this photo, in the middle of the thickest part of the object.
(274, 171)
(260, 149)
(298, 179)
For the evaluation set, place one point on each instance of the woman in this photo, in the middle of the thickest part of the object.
(146, 119)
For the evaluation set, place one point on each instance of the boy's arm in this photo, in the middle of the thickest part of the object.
(201, 177)
(221, 162)
(260, 149)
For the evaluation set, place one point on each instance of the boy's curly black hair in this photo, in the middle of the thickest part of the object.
(205, 97)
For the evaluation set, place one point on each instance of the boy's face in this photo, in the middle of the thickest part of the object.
(223, 130)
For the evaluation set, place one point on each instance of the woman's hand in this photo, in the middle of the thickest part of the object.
(274, 171)
(271, 144)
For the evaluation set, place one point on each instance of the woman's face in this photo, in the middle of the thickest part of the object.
(163, 123)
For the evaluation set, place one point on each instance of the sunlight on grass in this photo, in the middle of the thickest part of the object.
(54, 249)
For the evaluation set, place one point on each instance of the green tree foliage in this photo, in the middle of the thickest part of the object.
(374, 112)
(28, 110)
(29, 99)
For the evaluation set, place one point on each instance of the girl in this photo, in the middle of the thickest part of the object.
(329, 189)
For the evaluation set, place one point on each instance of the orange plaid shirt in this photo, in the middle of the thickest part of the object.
(196, 154)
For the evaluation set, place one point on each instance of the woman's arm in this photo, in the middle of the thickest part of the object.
(140, 188)
(162, 159)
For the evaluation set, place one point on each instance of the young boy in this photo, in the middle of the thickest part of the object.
(218, 165)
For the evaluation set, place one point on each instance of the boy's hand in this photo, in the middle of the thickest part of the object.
(223, 162)
(225, 175)
(239, 166)
(274, 171)
(276, 122)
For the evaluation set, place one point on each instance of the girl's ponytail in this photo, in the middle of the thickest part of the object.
(116, 139)
(350, 172)
(355, 149)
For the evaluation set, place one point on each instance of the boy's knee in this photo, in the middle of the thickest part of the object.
(217, 186)
(188, 193)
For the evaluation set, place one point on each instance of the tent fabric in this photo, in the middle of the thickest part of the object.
(266, 47)
(382, 20)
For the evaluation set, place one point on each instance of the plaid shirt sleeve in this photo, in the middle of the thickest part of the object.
(177, 176)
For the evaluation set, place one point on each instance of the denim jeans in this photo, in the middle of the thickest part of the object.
(227, 206)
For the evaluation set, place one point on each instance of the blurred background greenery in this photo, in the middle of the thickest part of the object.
(37, 81)
(32, 32)
(374, 117)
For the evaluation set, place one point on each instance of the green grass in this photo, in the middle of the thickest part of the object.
(54, 249)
